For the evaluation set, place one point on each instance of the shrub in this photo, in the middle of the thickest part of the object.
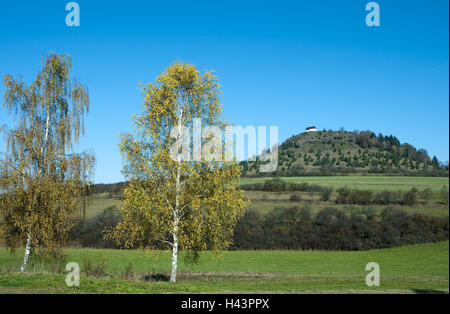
(295, 198)
(359, 197)
(96, 268)
(325, 194)
(248, 233)
(426, 195)
(128, 273)
(284, 227)
(343, 192)
(333, 229)
(410, 197)
(274, 185)
(278, 185)
(90, 233)
(42, 258)
(444, 195)
(386, 198)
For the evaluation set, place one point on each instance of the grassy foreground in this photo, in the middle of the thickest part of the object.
(409, 269)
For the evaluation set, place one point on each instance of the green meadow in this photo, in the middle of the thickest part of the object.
(264, 201)
(422, 268)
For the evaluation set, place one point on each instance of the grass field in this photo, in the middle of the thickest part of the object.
(368, 182)
(410, 269)
(264, 201)
(267, 201)
(265, 206)
(99, 202)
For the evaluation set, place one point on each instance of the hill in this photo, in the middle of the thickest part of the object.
(342, 152)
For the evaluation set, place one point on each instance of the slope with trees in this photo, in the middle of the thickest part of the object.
(341, 152)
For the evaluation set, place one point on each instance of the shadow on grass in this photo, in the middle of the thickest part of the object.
(155, 277)
(429, 291)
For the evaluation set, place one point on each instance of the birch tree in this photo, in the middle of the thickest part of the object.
(43, 180)
(174, 202)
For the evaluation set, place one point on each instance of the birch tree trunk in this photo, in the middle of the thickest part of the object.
(26, 255)
(173, 274)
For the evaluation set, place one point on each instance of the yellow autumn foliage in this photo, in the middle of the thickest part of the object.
(187, 205)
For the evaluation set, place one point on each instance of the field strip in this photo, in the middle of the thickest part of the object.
(355, 291)
(26, 290)
(266, 275)
(393, 184)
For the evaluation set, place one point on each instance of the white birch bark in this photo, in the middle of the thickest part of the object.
(26, 255)
(173, 274)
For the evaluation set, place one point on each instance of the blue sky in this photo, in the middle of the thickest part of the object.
(286, 63)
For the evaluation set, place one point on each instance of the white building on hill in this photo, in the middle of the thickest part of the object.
(311, 129)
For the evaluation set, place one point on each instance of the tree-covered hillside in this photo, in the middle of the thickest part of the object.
(342, 152)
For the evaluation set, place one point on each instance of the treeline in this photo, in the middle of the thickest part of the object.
(278, 185)
(324, 168)
(112, 188)
(386, 197)
(296, 228)
(332, 229)
(327, 169)
(368, 139)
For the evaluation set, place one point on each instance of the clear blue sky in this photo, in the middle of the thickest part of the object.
(286, 63)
